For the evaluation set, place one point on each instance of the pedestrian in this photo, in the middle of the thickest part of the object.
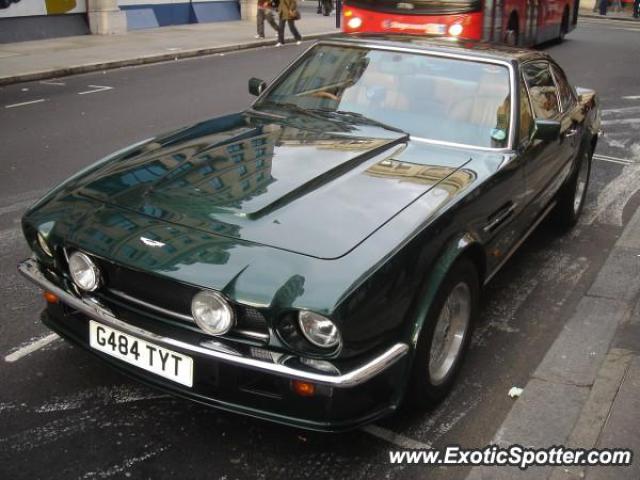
(636, 9)
(265, 12)
(603, 6)
(289, 13)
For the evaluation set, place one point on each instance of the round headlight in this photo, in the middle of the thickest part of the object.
(455, 30)
(84, 273)
(354, 23)
(212, 313)
(319, 330)
(44, 246)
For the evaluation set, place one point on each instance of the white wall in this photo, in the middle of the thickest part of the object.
(26, 8)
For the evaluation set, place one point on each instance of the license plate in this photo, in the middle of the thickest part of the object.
(147, 356)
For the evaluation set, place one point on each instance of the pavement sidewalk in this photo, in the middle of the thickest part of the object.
(586, 391)
(625, 13)
(41, 59)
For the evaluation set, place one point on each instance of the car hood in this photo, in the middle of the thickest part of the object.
(308, 185)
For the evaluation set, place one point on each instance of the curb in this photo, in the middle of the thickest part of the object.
(568, 398)
(607, 17)
(145, 60)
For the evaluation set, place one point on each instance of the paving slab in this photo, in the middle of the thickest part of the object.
(597, 409)
(619, 278)
(622, 429)
(578, 352)
(542, 417)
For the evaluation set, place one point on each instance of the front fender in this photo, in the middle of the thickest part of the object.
(453, 249)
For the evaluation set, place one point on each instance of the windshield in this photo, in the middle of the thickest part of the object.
(418, 7)
(435, 98)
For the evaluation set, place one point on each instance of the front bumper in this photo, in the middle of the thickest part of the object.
(222, 377)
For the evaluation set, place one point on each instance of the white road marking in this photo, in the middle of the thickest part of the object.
(32, 347)
(111, 395)
(622, 121)
(632, 97)
(612, 111)
(96, 89)
(52, 82)
(121, 468)
(607, 158)
(395, 438)
(612, 199)
(22, 104)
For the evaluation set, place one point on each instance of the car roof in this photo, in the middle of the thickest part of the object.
(442, 45)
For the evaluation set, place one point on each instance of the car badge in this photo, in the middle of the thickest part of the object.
(405, 6)
(152, 243)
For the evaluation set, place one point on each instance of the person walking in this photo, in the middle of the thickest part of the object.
(265, 12)
(636, 9)
(289, 13)
(603, 6)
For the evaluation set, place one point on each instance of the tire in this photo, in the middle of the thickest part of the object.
(429, 384)
(572, 195)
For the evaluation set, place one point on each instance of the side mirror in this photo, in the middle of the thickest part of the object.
(256, 86)
(547, 130)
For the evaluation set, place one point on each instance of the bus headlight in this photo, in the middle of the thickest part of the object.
(354, 23)
(455, 30)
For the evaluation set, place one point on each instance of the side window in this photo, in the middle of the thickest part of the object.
(542, 89)
(567, 100)
(526, 118)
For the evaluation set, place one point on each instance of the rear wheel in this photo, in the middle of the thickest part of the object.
(445, 336)
(572, 196)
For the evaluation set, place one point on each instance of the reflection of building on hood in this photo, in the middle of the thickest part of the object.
(448, 178)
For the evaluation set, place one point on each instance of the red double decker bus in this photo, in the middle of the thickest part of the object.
(514, 22)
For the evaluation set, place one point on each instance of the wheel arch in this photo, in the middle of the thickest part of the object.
(463, 245)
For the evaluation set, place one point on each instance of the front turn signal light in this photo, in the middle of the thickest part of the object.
(50, 297)
(303, 389)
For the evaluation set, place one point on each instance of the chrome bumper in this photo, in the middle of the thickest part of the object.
(361, 374)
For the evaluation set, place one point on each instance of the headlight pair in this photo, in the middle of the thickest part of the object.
(210, 310)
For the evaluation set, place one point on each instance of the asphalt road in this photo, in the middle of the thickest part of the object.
(64, 414)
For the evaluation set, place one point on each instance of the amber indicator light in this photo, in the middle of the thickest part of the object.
(304, 389)
(50, 297)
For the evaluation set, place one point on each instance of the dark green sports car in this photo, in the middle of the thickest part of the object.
(319, 258)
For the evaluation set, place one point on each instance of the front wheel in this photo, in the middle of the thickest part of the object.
(445, 336)
(572, 196)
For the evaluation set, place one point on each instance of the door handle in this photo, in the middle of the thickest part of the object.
(499, 216)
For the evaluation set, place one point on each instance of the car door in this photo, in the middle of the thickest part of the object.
(572, 129)
(545, 159)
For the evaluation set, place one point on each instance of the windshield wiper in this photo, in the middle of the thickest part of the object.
(291, 107)
(366, 120)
